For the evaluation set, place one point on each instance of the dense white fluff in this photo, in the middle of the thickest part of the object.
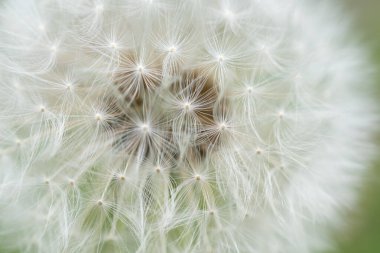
(178, 126)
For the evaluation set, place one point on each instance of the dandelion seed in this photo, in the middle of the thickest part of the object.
(221, 58)
(99, 7)
(222, 126)
(145, 128)
(98, 117)
(140, 68)
(172, 49)
(259, 151)
(187, 107)
(228, 14)
(113, 45)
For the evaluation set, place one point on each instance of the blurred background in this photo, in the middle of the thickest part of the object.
(363, 235)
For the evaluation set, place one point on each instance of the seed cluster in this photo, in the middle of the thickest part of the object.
(155, 116)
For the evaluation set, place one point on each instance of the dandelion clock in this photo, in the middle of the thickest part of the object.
(178, 126)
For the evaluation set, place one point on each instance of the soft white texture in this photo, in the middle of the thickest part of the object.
(178, 126)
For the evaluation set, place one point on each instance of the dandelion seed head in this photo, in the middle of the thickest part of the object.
(178, 126)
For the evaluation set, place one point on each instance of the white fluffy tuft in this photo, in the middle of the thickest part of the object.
(178, 126)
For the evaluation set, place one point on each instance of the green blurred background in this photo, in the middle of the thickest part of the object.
(363, 235)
